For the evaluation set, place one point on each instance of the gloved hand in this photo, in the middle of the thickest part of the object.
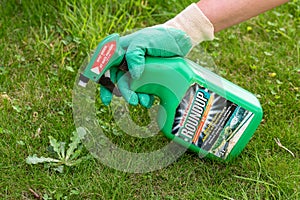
(123, 79)
(155, 41)
(176, 37)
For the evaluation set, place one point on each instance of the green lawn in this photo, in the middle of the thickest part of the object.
(42, 47)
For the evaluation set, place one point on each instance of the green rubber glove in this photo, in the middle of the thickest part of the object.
(159, 41)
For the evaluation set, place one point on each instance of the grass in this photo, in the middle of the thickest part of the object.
(42, 46)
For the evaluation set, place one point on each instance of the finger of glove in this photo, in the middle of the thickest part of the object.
(135, 57)
(123, 85)
(146, 100)
(113, 74)
(105, 95)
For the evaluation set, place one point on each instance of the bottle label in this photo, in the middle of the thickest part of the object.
(210, 121)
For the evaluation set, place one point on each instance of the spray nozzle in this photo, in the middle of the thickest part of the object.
(108, 54)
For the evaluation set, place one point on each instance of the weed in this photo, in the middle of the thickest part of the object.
(69, 157)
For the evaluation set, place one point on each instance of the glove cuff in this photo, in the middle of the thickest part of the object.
(193, 21)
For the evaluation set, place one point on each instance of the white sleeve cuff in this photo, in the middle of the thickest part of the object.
(192, 21)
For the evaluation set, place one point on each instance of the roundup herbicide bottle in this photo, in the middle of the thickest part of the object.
(199, 109)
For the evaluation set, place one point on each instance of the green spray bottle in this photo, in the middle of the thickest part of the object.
(199, 109)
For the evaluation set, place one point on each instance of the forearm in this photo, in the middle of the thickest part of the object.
(225, 13)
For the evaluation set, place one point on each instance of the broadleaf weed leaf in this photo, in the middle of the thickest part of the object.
(35, 160)
(78, 161)
(76, 140)
(59, 169)
(56, 146)
(62, 148)
(76, 153)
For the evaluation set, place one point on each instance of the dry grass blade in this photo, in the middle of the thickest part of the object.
(280, 145)
(36, 195)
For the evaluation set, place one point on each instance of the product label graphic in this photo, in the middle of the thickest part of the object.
(103, 57)
(210, 121)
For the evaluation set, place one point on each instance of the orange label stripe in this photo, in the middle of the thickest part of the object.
(199, 129)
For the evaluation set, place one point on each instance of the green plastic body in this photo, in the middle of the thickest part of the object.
(170, 78)
(199, 109)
